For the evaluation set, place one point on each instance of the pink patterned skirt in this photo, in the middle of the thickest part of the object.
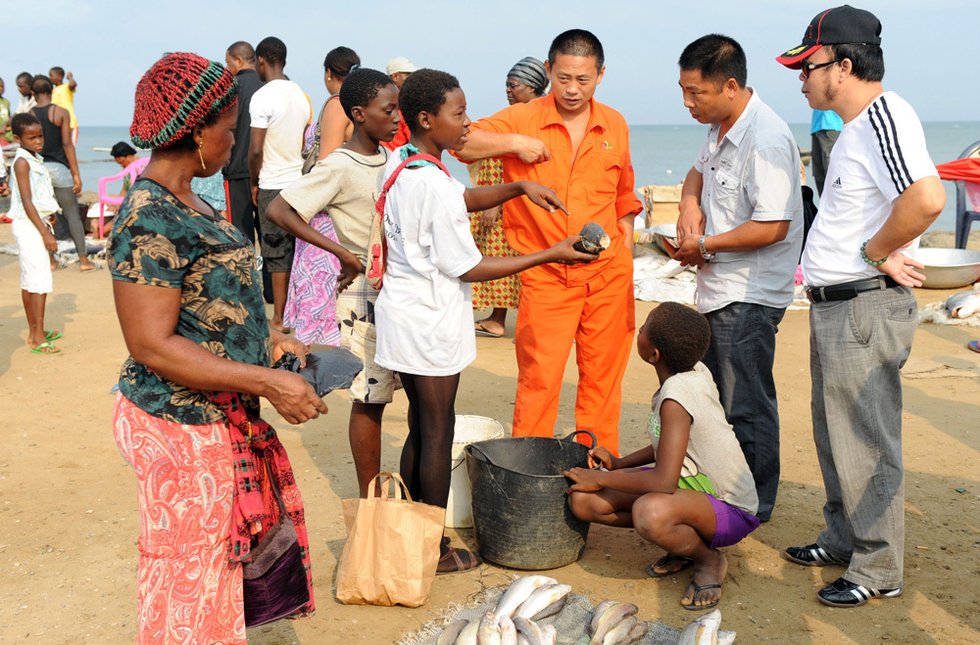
(311, 304)
(187, 590)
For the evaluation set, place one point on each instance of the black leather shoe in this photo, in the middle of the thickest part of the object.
(811, 555)
(843, 593)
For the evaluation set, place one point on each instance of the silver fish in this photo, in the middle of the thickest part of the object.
(530, 630)
(725, 637)
(468, 635)
(963, 304)
(702, 631)
(488, 632)
(550, 634)
(597, 613)
(521, 640)
(594, 239)
(541, 599)
(451, 632)
(610, 618)
(620, 633)
(508, 633)
(638, 632)
(518, 592)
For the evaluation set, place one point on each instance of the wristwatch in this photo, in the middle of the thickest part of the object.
(704, 251)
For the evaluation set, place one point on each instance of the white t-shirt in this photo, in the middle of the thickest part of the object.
(423, 313)
(879, 154)
(713, 461)
(753, 174)
(42, 190)
(284, 111)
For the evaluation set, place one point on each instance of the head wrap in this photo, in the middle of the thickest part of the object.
(180, 91)
(530, 71)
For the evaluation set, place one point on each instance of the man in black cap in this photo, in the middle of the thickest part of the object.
(882, 191)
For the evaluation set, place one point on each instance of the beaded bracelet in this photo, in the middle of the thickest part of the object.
(864, 256)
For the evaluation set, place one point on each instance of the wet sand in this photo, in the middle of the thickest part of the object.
(68, 501)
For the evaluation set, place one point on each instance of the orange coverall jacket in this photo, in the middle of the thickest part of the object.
(590, 303)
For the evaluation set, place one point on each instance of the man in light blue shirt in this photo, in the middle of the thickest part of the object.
(741, 224)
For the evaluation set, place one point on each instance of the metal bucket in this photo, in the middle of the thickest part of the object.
(521, 516)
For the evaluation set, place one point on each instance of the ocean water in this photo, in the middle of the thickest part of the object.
(662, 154)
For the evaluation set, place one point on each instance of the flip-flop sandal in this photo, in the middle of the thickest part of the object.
(698, 589)
(98, 267)
(456, 561)
(45, 348)
(974, 345)
(52, 335)
(665, 561)
(483, 331)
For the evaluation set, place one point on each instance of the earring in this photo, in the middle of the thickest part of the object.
(201, 155)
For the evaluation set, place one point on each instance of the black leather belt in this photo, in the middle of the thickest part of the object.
(848, 290)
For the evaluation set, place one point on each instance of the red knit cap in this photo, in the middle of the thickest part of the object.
(178, 92)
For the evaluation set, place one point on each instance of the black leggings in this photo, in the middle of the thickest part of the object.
(426, 461)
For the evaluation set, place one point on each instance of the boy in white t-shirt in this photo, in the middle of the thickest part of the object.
(32, 201)
(424, 315)
(699, 495)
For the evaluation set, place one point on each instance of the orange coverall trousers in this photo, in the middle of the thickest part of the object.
(600, 317)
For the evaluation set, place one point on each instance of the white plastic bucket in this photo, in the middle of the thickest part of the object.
(469, 428)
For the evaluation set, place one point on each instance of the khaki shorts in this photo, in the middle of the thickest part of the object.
(355, 316)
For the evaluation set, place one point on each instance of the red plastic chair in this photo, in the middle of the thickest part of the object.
(132, 171)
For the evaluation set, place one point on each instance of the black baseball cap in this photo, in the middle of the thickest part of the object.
(842, 25)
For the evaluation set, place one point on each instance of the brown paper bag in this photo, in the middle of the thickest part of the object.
(392, 548)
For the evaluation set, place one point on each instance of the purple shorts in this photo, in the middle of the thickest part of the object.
(731, 523)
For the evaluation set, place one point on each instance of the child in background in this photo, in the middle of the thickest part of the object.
(424, 313)
(32, 201)
(699, 496)
(345, 186)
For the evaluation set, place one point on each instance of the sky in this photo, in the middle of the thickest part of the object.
(928, 46)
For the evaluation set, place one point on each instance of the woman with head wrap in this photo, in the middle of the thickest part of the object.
(189, 301)
(526, 80)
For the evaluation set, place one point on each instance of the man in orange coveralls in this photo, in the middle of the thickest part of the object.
(580, 149)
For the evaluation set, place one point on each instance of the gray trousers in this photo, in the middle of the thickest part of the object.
(857, 348)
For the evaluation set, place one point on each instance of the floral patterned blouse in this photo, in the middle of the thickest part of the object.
(157, 240)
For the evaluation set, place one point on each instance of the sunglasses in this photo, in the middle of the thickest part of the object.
(809, 67)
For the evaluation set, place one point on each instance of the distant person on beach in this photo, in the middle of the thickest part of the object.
(124, 155)
(423, 313)
(280, 112)
(526, 80)
(5, 133)
(825, 127)
(63, 94)
(240, 61)
(59, 159)
(345, 184)
(186, 419)
(27, 102)
(589, 304)
(698, 495)
(399, 68)
(31, 202)
(741, 224)
(333, 126)
(883, 192)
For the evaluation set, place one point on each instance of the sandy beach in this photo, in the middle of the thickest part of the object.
(68, 501)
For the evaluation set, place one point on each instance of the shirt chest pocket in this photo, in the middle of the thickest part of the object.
(604, 182)
(725, 187)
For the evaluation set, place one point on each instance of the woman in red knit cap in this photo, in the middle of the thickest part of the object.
(189, 301)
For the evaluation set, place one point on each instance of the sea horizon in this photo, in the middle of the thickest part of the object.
(661, 153)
